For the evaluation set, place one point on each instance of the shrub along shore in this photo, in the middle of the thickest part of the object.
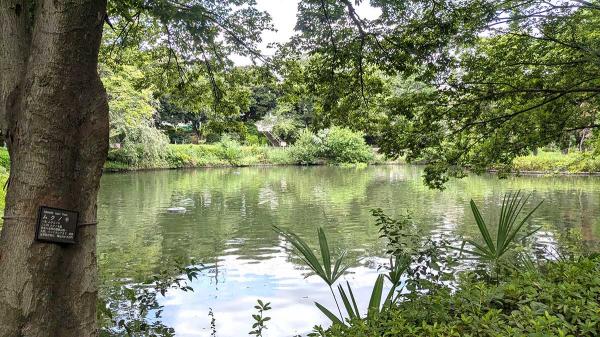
(337, 146)
(210, 155)
(200, 155)
(220, 155)
(560, 299)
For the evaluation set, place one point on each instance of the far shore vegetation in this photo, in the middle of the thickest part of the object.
(231, 153)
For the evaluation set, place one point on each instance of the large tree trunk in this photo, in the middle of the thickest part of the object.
(55, 119)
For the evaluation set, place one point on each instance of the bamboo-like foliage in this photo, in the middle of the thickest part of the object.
(323, 268)
(508, 233)
(330, 272)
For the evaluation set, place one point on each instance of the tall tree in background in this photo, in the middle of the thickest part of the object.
(54, 116)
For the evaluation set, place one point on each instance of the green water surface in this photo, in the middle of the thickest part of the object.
(228, 222)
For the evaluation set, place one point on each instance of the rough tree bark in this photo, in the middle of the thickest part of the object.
(54, 114)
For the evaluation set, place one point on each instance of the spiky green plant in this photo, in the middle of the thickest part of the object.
(330, 272)
(508, 233)
(351, 305)
(398, 266)
(325, 268)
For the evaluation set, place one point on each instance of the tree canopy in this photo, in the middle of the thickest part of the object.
(509, 76)
(466, 85)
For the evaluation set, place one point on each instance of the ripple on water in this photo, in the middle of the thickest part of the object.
(228, 227)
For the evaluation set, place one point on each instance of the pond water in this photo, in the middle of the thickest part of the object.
(228, 222)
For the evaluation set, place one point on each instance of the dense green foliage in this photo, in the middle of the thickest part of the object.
(147, 147)
(225, 153)
(335, 145)
(480, 82)
(341, 145)
(460, 86)
(307, 148)
(559, 300)
(166, 66)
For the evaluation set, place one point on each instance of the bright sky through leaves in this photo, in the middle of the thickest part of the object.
(283, 14)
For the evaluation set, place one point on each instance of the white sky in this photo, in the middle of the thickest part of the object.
(283, 15)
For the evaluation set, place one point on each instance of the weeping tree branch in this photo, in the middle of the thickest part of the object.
(223, 24)
(362, 36)
(172, 53)
(332, 42)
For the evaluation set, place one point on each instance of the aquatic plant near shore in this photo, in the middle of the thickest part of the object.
(260, 318)
(330, 272)
(509, 232)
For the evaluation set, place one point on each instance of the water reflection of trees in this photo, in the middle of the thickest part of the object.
(231, 211)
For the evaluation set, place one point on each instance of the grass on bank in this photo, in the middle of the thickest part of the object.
(213, 155)
(558, 163)
(204, 155)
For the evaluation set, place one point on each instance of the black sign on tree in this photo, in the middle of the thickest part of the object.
(56, 225)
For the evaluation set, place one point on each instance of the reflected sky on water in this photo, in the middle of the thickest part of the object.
(228, 228)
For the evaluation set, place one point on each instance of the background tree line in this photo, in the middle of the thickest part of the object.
(459, 86)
